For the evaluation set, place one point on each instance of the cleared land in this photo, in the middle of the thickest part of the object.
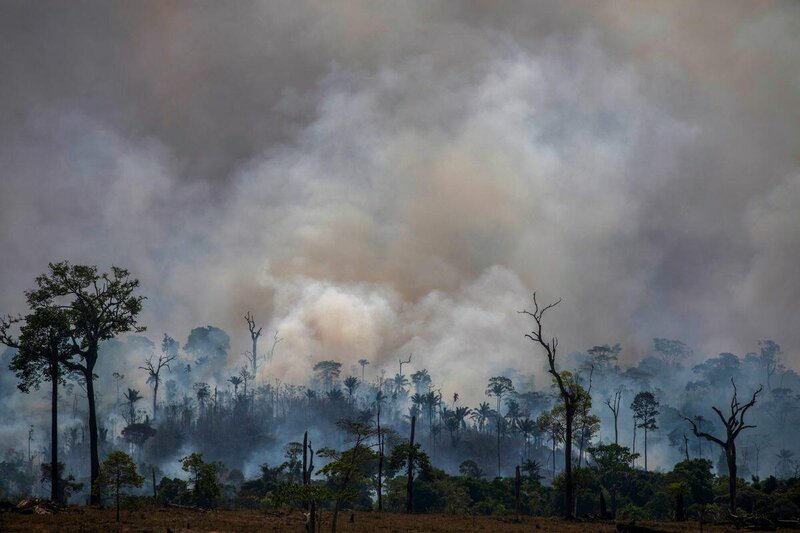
(82, 519)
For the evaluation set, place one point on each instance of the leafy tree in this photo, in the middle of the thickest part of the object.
(98, 307)
(117, 472)
(613, 463)
(327, 372)
(347, 468)
(43, 350)
(470, 468)
(696, 474)
(605, 357)
(770, 359)
(207, 348)
(645, 409)
(671, 351)
(66, 486)
(203, 482)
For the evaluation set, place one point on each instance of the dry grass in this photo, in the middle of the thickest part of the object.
(82, 519)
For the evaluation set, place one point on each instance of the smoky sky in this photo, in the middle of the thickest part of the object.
(377, 178)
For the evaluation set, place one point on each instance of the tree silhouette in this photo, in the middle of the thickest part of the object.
(734, 424)
(43, 349)
(255, 333)
(351, 383)
(99, 307)
(117, 472)
(235, 381)
(613, 404)
(132, 396)
(169, 352)
(672, 352)
(363, 363)
(783, 468)
(570, 396)
(328, 372)
(645, 409)
(498, 387)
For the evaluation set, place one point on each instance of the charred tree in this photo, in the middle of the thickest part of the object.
(614, 406)
(255, 333)
(169, 352)
(410, 487)
(569, 393)
(734, 424)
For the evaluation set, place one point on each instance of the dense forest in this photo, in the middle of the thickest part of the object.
(189, 423)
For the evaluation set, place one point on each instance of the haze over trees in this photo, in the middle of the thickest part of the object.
(207, 430)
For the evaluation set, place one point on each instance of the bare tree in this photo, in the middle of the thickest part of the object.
(275, 341)
(252, 357)
(614, 406)
(169, 352)
(404, 363)
(734, 424)
(568, 390)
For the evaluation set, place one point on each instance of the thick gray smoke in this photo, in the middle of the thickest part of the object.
(377, 178)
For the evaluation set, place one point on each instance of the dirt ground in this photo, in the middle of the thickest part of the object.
(82, 519)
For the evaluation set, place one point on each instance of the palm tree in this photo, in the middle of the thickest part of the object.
(526, 426)
(421, 379)
(235, 381)
(132, 396)
(363, 363)
(481, 414)
(400, 382)
(498, 387)
(417, 401)
(351, 383)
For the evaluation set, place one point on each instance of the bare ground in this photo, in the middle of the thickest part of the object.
(84, 519)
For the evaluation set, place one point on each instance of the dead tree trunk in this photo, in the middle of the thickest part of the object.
(254, 335)
(569, 393)
(614, 406)
(517, 490)
(734, 424)
(410, 487)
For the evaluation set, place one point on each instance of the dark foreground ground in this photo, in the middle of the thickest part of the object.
(81, 519)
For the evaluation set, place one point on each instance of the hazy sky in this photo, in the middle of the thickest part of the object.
(372, 178)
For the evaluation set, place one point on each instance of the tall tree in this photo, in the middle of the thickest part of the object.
(734, 424)
(363, 363)
(770, 359)
(645, 409)
(132, 396)
(255, 333)
(169, 352)
(43, 349)
(614, 406)
(569, 393)
(99, 307)
(498, 387)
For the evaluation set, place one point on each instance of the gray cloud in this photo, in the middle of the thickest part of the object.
(378, 178)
